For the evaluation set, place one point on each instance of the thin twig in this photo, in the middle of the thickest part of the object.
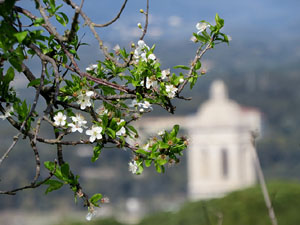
(16, 138)
(198, 56)
(262, 180)
(32, 185)
(114, 19)
(146, 21)
(103, 48)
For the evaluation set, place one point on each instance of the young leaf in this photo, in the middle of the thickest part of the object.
(53, 185)
(174, 131)
(95, 198)
(181, 67)
(49, 165)
(21, 36)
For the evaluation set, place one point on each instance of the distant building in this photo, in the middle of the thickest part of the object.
(220, 151)
(220, 155)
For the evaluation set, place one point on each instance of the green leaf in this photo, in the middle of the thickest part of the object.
(66, 19)
(65, 170)
(97, 151)
(148, 162)
(60, 20)
(49, 165)
(219, 22)
(142, 151)
(15, 62)
(111, 132)
(174, 131)
(181, 67)
(39, 22)
(163, 145)
(21, 36)
(198, 65)
(161, 161)
(53, 185)
(95, 198)
(158, 168)
(34, 82)
(10, 75)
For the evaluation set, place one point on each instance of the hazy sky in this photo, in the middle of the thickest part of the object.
(177, 18)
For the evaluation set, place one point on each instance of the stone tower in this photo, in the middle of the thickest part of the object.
(220, 155)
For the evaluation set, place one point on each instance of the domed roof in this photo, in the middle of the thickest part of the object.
(219, 110)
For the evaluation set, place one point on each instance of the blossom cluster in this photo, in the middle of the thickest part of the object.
(140, 53)
(141, 105)
(79, 122)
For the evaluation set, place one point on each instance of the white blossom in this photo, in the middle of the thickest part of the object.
(75, 127)
(91, 214)
(149, 83)
(95, 133)
(142, 44)
(165, 73)
(60, 119)
(194, 39)
(89, 93)
(201, 26)
(121, 121)
(171, 90)
(78, 118)
(162, 132)
(105, 200)
(84, 99)
(7, 113)
(181, 80)
(140, 51)
(133, 167)
(144, 56)
(121, 132)
(92, 67)
(117, 49)
(146, 147)
(101, 110)
(146, 105)
(152, 57)
(78, 123)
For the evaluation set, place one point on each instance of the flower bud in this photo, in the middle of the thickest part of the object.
(141, 11)
(203, 72)
(139, 25)
(105, 200)
(170, 142)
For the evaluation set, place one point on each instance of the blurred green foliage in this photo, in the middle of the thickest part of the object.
(244, 207)
(108, 221)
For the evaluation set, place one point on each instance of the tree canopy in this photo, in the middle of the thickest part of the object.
(98, 102)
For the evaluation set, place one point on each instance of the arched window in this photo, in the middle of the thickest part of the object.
(204, 160)
(224, 161)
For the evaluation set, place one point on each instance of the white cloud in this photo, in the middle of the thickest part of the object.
(174, 21)
(19, 81)
(155, 32)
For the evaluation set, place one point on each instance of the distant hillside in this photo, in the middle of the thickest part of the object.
(244, 207)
